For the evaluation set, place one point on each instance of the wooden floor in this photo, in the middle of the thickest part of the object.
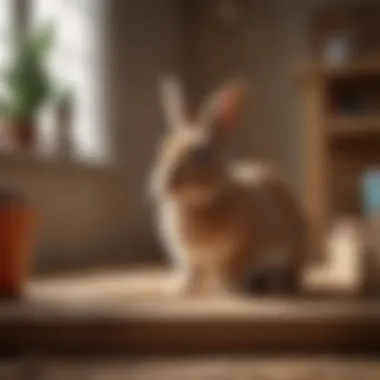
(218, 368)
(141, 311)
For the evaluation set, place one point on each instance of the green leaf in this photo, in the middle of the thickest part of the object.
(28, 80)
(43, 41)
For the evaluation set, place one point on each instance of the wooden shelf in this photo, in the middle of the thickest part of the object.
(354, 126)
(355, 70)
(334, 171)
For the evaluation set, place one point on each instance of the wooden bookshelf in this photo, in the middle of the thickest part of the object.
(340, 145)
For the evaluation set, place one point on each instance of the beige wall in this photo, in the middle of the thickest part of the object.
(147, 42)
(78, 208)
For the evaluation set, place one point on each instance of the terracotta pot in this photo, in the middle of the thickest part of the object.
(23, 134)
(17, 223)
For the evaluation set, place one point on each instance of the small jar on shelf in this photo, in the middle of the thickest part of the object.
(371, 211)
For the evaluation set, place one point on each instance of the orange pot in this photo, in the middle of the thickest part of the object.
(24, 135)
(17, 223)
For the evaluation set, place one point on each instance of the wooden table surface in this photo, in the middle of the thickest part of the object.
(205, 368)
(140, 311)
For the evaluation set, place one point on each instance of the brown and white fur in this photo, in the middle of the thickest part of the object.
(222, 223)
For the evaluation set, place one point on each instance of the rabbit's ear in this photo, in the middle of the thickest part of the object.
(173, 102)
(223, 109)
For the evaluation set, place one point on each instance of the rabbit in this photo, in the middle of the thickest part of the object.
(229, 227)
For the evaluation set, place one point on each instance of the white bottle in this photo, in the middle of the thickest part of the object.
(345, 255)
(342, 270)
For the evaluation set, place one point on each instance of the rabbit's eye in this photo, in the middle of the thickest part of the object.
(202, 155)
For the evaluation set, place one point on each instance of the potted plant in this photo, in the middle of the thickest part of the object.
(28, 87)
(17, 222)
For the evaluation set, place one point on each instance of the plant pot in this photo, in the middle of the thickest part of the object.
(17, 223)
(23, 134)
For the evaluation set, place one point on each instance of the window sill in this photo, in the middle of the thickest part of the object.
(41, 161)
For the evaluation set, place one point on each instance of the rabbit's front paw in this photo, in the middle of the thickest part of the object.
(184, 284)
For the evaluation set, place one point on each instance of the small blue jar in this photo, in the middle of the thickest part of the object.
(371, 193)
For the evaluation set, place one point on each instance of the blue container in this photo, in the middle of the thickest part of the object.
(371, 193)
